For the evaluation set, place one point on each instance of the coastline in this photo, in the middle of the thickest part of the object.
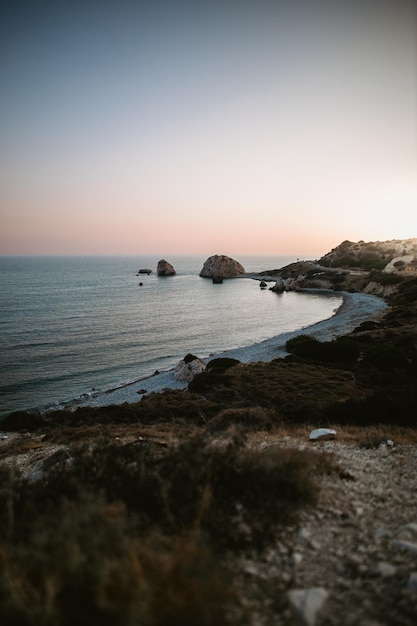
(355, 308)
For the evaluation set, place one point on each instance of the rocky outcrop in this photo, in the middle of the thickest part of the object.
(383, 291)
(288, 284)
(188, 367)
(279, 286)
(221, 266)
(403, 265)
(165, 269)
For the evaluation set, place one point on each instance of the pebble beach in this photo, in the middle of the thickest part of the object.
(355, 309)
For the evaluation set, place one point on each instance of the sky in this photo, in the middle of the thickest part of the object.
(197, 127)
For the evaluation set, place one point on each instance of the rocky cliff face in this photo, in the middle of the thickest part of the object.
(165, 269)
(221, 266)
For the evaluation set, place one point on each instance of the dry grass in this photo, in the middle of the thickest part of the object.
(132, 533)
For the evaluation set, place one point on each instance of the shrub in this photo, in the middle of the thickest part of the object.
(384, 356)
(245, 418)
(383, 278)
(301, 345)
(222, 363)
(391, 406)
(82, 565)
(341, 350)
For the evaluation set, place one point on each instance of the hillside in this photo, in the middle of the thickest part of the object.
(395, 256)
(374, 267)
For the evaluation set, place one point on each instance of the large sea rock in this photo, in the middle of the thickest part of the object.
(221, 266)
(165, 269)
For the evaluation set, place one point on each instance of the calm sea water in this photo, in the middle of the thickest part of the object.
(72, 324)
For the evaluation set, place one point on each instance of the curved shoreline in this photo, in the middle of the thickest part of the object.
(355, 309)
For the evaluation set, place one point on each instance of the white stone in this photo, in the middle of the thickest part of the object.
(304, 535)
(385, 569)
(322, 434)
(412, 527)
(405, 545)
(306, 603)
(186, 371)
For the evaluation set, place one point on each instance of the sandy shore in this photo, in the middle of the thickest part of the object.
(355, 309)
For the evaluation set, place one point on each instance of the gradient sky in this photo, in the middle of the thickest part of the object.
(234, 127)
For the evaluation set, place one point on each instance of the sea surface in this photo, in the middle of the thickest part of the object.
(73, 324)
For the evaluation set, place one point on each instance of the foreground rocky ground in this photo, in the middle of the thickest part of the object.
(351, 560)
(355, 555)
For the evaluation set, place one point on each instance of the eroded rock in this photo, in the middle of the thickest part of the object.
(221, 266)
(165, 269)
(188, 367)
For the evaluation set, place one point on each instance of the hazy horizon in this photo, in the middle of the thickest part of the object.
(235, 127)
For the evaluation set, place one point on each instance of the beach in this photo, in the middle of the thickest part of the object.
(355, 309)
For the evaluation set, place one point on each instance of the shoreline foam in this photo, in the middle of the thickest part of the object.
(355, 309)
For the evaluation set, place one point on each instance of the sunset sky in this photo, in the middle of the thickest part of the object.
(206, 127)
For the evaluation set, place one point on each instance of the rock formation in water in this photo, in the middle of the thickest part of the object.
(165, 269)
(221, 266)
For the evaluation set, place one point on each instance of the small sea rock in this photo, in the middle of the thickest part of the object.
(306, 603)
(322, 434)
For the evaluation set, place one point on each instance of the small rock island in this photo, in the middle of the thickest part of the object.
(165, 269)
(220, 266)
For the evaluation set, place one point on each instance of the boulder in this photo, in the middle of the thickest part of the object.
(188, 367)
(279, 286)
(221, 266)
(165, 269)
(322, 434)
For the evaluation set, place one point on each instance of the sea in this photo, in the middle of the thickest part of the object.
(70, 325)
